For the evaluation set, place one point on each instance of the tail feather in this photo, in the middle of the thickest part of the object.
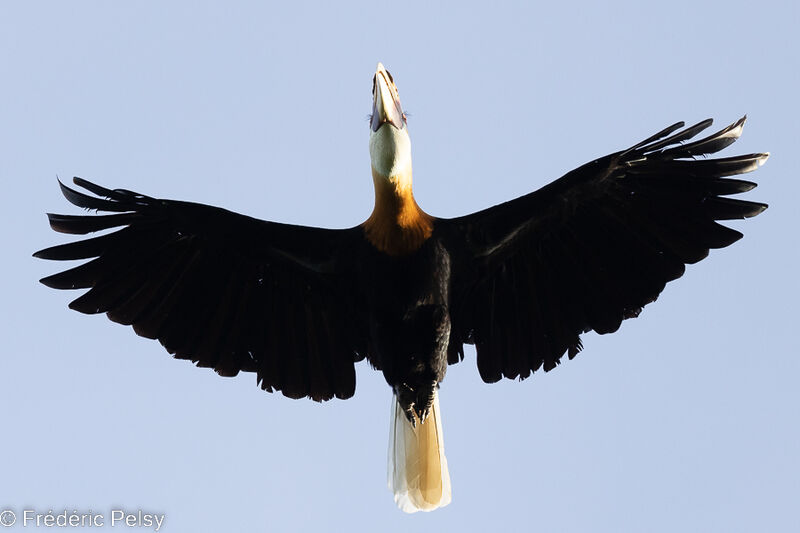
(418, 473)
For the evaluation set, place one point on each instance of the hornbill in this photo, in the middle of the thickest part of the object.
(299, 306)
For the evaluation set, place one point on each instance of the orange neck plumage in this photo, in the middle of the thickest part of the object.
(397, 225)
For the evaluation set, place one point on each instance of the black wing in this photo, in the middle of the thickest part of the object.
(592, 248)
(225, 290)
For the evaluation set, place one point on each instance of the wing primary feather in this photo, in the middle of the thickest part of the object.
(708, 145)
(688, 133)
(661, 134)
(90, 202)
(81, 224)
(119, 195)
(84, 249)
(706, 168)
(731, 209)
(79, 277)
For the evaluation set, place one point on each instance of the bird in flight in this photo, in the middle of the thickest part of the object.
(299, 306)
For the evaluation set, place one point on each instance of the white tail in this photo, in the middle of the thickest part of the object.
(418, 473)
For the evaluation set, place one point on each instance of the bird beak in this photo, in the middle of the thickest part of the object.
(385, 102)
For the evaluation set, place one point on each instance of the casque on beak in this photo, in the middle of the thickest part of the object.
(385, 101)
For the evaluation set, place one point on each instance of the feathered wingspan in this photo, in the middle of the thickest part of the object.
(225, 290)
(592, 248)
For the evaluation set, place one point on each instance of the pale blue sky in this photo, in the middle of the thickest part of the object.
(684, 420)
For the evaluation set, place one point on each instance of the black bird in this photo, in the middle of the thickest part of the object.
(299, 306)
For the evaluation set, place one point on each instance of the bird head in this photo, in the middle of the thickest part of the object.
(389, 143)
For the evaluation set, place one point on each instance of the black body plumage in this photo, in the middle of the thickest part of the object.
(407, 302)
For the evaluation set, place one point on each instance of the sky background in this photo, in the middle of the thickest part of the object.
(684, 420)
